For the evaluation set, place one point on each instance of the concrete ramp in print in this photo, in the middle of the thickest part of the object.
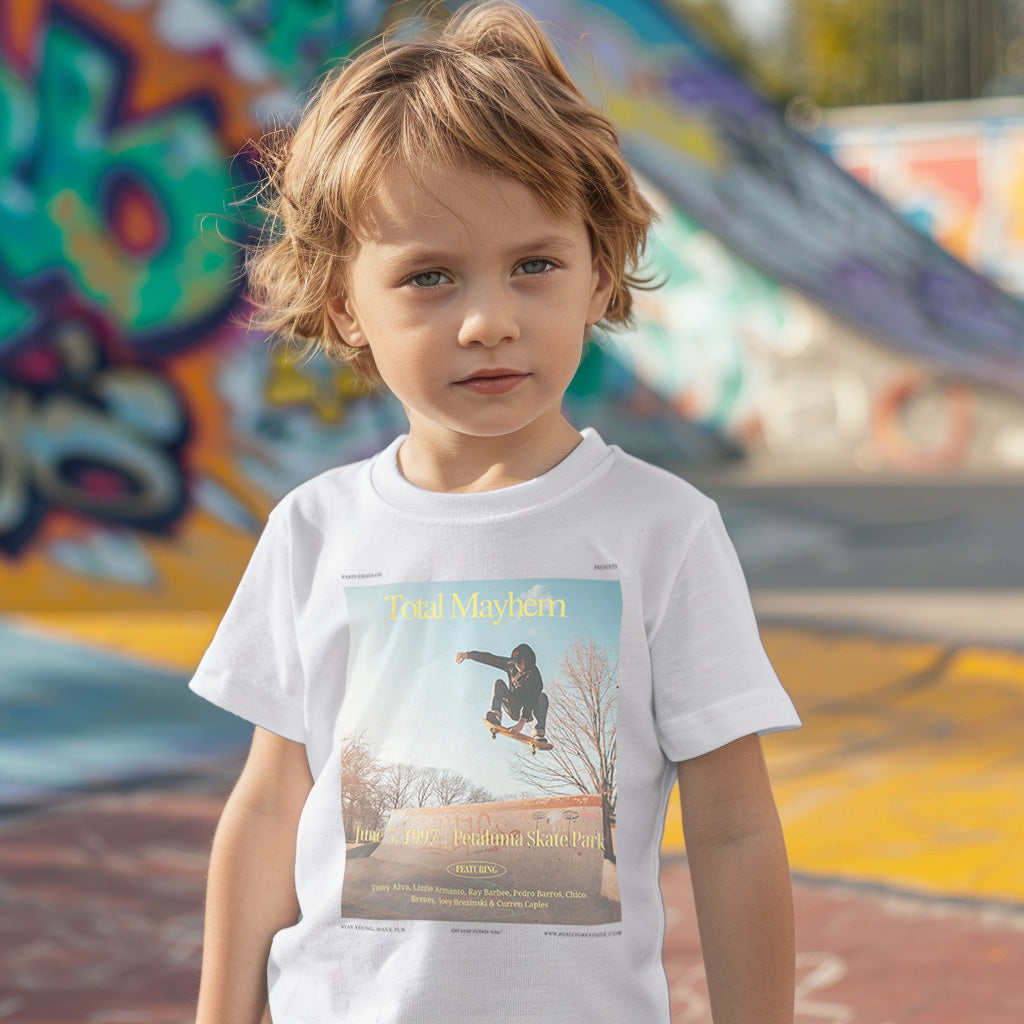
(529, 861)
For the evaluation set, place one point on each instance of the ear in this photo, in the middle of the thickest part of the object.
(345, 321)
(600, 294)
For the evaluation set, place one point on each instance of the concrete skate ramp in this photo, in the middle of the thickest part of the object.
(532, 861)
(472, 840)
(723, 153)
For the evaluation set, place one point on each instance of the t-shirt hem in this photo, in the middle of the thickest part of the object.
(282, 719)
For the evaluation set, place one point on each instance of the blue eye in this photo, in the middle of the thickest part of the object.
(534, 267)
(428, 279)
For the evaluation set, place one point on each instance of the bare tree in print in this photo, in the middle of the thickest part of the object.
(451, 788)
(581, 724)
(397, 783)
(361, 804)
(423, 786)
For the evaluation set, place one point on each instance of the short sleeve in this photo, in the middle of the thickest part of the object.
(713, 682)
(252, 667)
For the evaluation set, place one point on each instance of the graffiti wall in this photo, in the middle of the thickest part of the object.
(803, 393)
(726, 156)
(956, 171)
(141, 426)
(145, 431)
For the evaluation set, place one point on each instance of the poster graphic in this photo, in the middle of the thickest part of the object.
(448, 819)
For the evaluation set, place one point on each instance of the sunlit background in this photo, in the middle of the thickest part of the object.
(836, 356)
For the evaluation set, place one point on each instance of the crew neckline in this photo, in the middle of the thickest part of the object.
(398, 492)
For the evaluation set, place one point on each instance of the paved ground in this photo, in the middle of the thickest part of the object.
(870, 957)
(908, 772)
(903, 536)
(101, 917)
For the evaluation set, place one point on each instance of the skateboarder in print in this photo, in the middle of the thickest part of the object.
(522, 696)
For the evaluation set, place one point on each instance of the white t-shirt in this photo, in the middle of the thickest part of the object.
(446, 873)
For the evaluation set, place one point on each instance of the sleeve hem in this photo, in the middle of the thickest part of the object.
(267, 711)
(685, 736)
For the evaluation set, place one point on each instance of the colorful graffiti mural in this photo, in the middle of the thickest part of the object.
(104, 275)
(800, 392)
(138, 420)
(143, 427)
(727, 157)
(122, 160)
(958, 175)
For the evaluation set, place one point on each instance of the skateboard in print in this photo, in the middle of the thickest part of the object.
(533, 743)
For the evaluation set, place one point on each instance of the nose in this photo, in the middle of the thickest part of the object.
(489, 317)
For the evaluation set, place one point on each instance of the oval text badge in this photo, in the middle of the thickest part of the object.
(476, 869)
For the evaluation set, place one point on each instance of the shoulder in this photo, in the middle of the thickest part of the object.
(656, 498)
(656, 480)
(331, 496)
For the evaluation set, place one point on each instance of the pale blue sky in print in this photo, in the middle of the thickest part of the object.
(412, 701)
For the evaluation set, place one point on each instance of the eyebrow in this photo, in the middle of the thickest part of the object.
(555, 244)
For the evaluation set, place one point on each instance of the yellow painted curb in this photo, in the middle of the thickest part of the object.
(909, 769)
(174, 640)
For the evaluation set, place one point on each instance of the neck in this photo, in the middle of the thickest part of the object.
(458, 463)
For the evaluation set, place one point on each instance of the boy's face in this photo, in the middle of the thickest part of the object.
(474, 301)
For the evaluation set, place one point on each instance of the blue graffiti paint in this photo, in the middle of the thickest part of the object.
(80, 435)
(74, 718)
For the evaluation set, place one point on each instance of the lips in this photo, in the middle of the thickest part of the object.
(493, 381)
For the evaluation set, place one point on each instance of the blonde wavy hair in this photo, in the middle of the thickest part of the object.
(485, 92)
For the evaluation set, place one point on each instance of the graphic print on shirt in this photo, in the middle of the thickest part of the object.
(448, 817)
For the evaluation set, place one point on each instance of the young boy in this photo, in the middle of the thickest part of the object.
(452, 216)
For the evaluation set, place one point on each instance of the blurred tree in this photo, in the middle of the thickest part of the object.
(761, 59)
(846, 52)
(833, 47)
